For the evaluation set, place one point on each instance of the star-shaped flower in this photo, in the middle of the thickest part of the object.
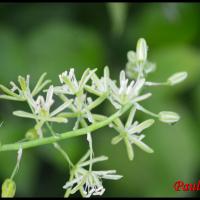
(99, 86)
(130, 133)
(88, 182)
(41, 109)
(70, 84)
(126, 93)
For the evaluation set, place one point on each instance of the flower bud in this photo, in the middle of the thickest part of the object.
(8, 188)
(141, 50)
(131, 55)
(177, 78)
(32, 134)
(168, 117)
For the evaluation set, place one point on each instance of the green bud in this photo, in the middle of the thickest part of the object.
(32, 134)
(168, 117)
(177, 78)
(141, 50)
(131, 55)
(8, 188)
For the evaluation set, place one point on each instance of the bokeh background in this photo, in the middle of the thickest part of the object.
(52, 37)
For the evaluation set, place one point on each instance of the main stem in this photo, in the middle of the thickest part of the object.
(65, 135)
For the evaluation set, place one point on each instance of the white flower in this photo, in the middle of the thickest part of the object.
(42, 105)
(24, 83)
(80, 105)
(23, 92)
(70, 84)
(126, 92)
(130, 133)
(88, 182)
(41, 108)
(99, 85)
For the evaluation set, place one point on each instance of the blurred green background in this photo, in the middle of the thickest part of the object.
(52, 37)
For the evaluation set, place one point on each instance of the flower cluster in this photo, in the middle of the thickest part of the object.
(77, 99)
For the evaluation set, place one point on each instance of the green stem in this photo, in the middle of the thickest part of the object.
(98, 101)
(58, 147)
(65, 155)
(65, 135)
(156, 84)
(15, 171)
(139, 107)
(84, 124)
(69, 114)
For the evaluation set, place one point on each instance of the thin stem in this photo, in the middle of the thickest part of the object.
(64, 153)
(58, 147)
(99, 117)
(156, 84)
(69, 114)
(139, 107)
(140, 65)
(84, 124)
(51, 130)
(98, 101)
(15, 171)
(65, 135)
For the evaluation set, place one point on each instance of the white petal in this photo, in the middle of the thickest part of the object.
(130, 117)
(122, 77)
(142, 97)
(112, 177)
(129, 89)
(89, 116)
(94, 160)
(24, 114)
(49, 96)
(138, 85)
(140, 144)
(139, 128)
(71, 183)
(61, 79)
(61, 108)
